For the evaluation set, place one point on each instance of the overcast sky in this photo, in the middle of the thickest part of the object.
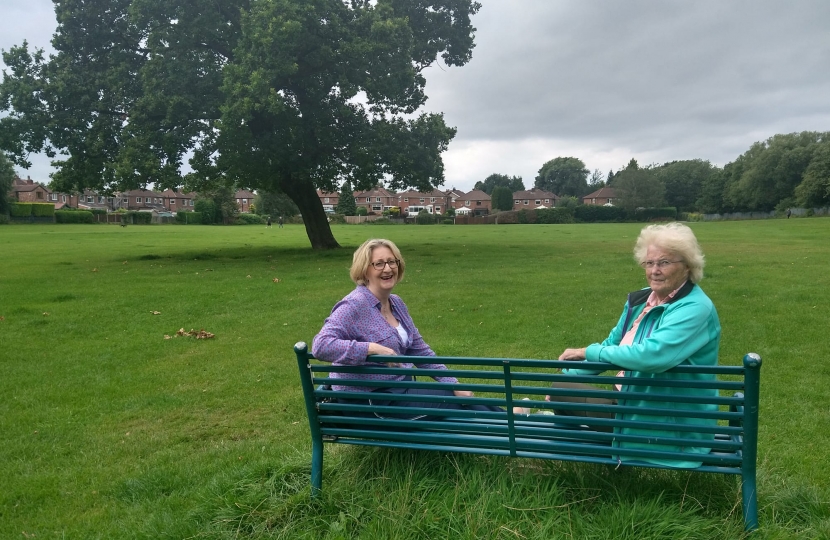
(604, 81)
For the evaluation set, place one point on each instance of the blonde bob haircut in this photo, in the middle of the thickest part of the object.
(675, 238)
(363, 257)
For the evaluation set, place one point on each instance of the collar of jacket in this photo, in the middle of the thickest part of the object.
(639, 297)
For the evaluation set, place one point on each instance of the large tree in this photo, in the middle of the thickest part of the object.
(281, 95)
(684, 181)
(512, 183)
(501, 198)
(564, 176)
(346, 204)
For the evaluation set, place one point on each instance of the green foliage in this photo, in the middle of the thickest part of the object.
(447, 222)
(425, 218)
(345, 203)
(555, 215)
(337, 218)
(361, 211)
(4, 219)
(74, 216)
(44, 209)
(250, 219)
(502, 198)
(207, 209)
(267, 203)
(590, 213)
(814, 189)
(639, 188)
(6, 180)
(98, 211)
(189, 218)
(512, 183)
(683, 181)
(564, 176)
(19, 209)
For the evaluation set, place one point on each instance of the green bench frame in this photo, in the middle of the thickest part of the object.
(504, 382)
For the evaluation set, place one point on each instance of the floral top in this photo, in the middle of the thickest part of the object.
(356, 321)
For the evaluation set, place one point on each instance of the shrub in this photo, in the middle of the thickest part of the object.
(425, 218)
(448, 222)
(98, 211)
(20, 209)
(379, 221)
(4, 219)
(526, 215)
(74, 216)
(336, 218)
(43, 209)
(249, 219)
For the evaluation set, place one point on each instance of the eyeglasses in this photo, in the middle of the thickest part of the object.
(661, 264)
(380, 265)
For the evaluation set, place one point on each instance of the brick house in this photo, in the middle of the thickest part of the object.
(329, 199)
(534, 198)
(602, 197)
(244, 200)
(29, 191)
(144, 200)
(475, 202)
(175, 200)
(411, 202)
(376, 200)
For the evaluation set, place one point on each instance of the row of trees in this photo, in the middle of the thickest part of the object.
(786, 170)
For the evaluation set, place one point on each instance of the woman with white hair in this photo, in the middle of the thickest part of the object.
(669, 323)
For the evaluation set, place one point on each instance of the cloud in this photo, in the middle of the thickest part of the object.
(606, 81)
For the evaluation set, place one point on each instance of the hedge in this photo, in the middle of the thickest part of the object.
(133, 217)
(74, 216)
(43, 209)
(668, 213)
(19, 209)
(189, 218)
(589, 213)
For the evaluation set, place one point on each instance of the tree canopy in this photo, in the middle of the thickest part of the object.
(564, 176)
(512, 183)
(639, 188)
(502, 198)
(345, 202)
(286, 96)
(6, 179)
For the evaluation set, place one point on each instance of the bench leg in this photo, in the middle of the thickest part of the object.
(750, 503)
(316, 467)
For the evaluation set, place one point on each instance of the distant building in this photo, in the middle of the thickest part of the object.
(601, 197)
(534, 198)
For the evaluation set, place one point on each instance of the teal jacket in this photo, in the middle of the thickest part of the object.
(685, 330)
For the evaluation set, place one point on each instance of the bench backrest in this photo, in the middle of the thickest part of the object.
(663, 426)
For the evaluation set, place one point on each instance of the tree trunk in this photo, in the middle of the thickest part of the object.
(316, 221)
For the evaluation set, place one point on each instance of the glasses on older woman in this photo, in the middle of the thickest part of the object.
(661, 264)
(380, 265)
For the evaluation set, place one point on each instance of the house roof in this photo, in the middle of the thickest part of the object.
(244, 194)
(476, 195)
(534, 194)
(602, 193)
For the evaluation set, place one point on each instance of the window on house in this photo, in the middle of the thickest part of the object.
(526, 201)
(422, 200)
(326, 199)
(377, 208)
(466, 203)
(377, 199)
(538, 201)
(478, 203)
(63, 198)
(148, 200)
(432, 199)
(138, 200)
(39, 195)
(368, 199)
(100, 200)
(191, 202)
(406, 199)
(438, 209)
(53, 197)
(547, 201)
(244, 201)
(89, 198)
(517, 202)
(172, 201)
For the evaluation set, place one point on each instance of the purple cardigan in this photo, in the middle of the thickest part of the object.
(356, 321)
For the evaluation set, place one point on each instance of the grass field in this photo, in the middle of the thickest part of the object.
(109, 430)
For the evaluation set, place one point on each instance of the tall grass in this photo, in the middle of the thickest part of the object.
(109, 430)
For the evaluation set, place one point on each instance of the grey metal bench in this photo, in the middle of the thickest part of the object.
(504, 382)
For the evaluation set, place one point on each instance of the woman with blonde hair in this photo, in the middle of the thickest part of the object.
(372, 321)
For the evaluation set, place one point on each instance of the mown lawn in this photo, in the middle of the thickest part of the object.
(109, 430)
